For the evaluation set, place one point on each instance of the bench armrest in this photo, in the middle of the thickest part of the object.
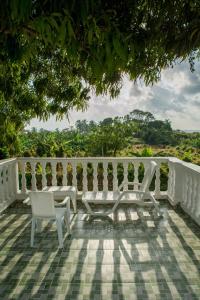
(27, 201)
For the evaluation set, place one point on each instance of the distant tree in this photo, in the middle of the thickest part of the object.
(158, 133)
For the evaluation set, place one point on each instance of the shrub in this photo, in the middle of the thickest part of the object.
(147, 152)
(187, 156)
(4, 153)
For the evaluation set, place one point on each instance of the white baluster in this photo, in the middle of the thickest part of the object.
(74, 174)
(44, 179)
(85, 182)
(125, 166)
(64, 165)
(105, 176)
(54, 173)
(95, 176)
(33, 179)
(157, 180)
(136, 166)
(115, 179)
(23, 170)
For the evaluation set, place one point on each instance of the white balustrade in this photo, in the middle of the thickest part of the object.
(101, 168)
(8, 182)
(183, 184)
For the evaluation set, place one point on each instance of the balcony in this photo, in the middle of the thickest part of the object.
(130, 255)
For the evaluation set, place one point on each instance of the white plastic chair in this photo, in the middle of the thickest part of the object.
(138, 196)
(43, 208)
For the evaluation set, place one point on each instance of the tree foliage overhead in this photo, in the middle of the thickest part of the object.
(53, 52)
(102, 39)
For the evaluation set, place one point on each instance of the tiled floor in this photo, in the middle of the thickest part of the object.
(130, 256)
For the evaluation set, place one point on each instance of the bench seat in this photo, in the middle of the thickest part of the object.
(102, 197)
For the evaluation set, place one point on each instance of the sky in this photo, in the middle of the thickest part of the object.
(175, 97)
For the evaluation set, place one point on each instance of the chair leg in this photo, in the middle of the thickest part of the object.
(74, 203)
(39, 225)
(33, 223)
(67, 218)
(60, 235)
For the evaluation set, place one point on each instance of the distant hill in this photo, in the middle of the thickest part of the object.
(190, 130)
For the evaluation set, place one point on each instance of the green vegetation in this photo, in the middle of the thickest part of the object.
(136, 134)
(52, 53)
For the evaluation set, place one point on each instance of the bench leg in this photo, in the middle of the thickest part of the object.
(156, 205)
(98, 214)
(88, 208)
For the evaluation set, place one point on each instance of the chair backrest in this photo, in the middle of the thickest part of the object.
(42, 204)
(148, 176)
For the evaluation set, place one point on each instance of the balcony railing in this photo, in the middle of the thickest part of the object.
(175, 180)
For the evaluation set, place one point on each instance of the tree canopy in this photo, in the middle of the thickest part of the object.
(53, 52)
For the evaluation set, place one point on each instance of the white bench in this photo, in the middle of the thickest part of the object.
(60, 192)
(141, 196)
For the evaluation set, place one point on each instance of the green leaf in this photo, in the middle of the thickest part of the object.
(53, 23)
(90, 35)
(70, 29)
(62, 33)
(118, 48)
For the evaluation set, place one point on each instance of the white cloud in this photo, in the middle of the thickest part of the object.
(175, 97)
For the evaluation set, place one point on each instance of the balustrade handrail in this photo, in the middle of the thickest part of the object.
(7, 161)
(108, 158)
